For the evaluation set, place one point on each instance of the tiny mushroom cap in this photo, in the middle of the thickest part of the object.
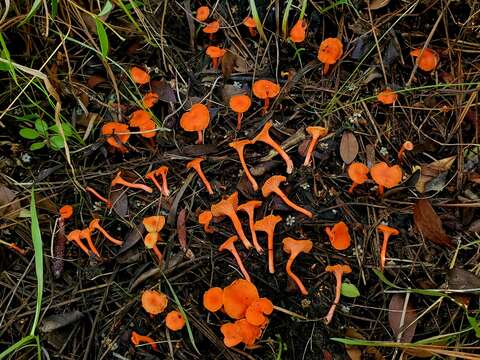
(294, 248)
(66, 212)
(249, 207)
(428, 60)
(204, 218)
(151, 240)
(213, 299)
(267, 225)
(239, 145)
(297, 32)
(154, 224)
(154, 302)
(256, 312)
(265, 90)
(240, 103)
(339, 236)
(203, 12)
(387, 232)
(339, 268)
(141, 119)
(250, 23)
(215, 53)
(264, 136)
(138, 339)
(150, 99)
(197, 119)
(406, 146)
(331, 49)
(237, 297)
(212, 27)
(249, 332)
(138, 75)
(358, 173)
(75, 236)
(232, 334)
(174, 320)
(117, 134)
(338, 271)
(386, 176)
(387, 96)
(229, 245)
(95, 225)
(316, 132)
(195, 164)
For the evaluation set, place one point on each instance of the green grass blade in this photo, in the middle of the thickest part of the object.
(6, 54)
(17, 346)
(54, 11)
(32, 12)
(38, 249)
(255, 16)
(304, 8)
(102, 37)
(285, 18)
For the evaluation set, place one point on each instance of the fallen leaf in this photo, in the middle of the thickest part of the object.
(433, 170)
(133, 237)
(163, 90)
(475, 226)
(199, 149)
(348, 147)
(370, 151)
(228, 64)
(181, 229)
(119, 200)
(57, 321)
(377, 4)
(353, 352)
(459, 279)
(9, 207)
(395, 315)
(95, 80)
(429, 224)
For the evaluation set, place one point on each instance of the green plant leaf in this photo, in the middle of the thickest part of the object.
(349, 290)
(41, 126)
(54, 11)
(38, 250)
(382, 277)
(106, 9)
(56, 142)
(102, 37)
(28, 133)
(67, 129)
(32, 11)
(37, 146)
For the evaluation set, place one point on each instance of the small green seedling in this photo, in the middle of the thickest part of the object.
(46, 135)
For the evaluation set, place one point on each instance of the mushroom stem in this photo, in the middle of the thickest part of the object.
(95, 225)
(87, 235)
(253, 31)
(383, 251)
(381, 189)
(229, 245)
(118, 180)
(239, 120)
(158, 253)
(152, 177)
(294, 277)
(98, 196)
(74, 236)
(165, 190)
(406, 146)
(14, 247)
(264, 137)
(200, 137)
(338, 287)
(271, 265)
(239, 146)
(266, 105)
(311, 148)
(326, 67)
(354, 185)
(214, 63)
(238, 228)
(195, 164)
(294, 206)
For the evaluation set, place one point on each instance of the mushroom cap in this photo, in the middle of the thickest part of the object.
(240, 103)
(154, 224)
(428, 61)
(174, 320)
(161, 170)
(196, 119)
(141, 119)
(213, 299)
(232, 334)
(205, 217)
(408, 145)
(94, 224)
(298, 31)
(151, 239)
(203, 12)
(293, 246)
(215, 52)
(139, 76)
(339, 268)
(331, 49)
(150, 99)
(249, 206)
(256, 312)
(238, 296)
(271, 184)
(339, 236)
(74, 235)
(267, 224)
(120, 130)
(388, 176)
(66, 212)
(240, 144)
(264, 89)
(212, 27)
(154, 302)
(249, 22)
(387, 96)
(387, 229)
(250, 333)
(358, 172)
(195, 162)
(229, 244)
(315, 131)
(225, 206)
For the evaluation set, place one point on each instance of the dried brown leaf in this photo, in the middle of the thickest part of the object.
(9, 207)
(181, 229)
(377, 4)
(119, 200)
(95, 80)
(348, 147)
(433, 170)
(57, 321)
(459, 279)
(429, 224)
(395, 315)
(163, 90)
(475, 226)
(228, 64)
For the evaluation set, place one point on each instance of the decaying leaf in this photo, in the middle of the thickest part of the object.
(163, 90)
(119, 201)
(57, 321)
(377, 4)
(228, 63)
(181, 229)
(9, 207)
(434, 170)
(348, 147)
(459, 279)
(395, 315)
(475, 226)
(429, 224)
(95, 80)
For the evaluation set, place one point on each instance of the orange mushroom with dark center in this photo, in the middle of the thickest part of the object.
(386, 176)
(330, 51)
(265, 90)
(230, 246)
(387, 232)
(139, 76)
(213, 299)
(197, 119)
(75, 236)
(264, 136)
(196, 165)
(237, 297)
(240, 103)
(215, 53)
(249, 207)
(250, 23)
(316, 132)
(150, 99)
(228, 207)
(95, 225)
(141, 119)
(298, 31)
(338, 271)
(98, 196)
(138, 339)
(87, 235)
(203, 12)
(204, 218)
(406, 146)
(267, 225)
(239, 145)
(272, 185)
(294, 248)
(256, 312)
(339, 236)
(427, 60)
(174, 320)
(387, 97)
(117, 134)
(150, 241)
(118, 180)
(161, 171)
(154, 302)
(358, 173)
(154, 224)
(211, 28)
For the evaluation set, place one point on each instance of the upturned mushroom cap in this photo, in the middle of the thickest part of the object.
(229, 244)
(408, 145)
(298, 31)
(195, 163)
(232, 334)
(387, 96)
(204, 218)
(213, 299)
(249, 22)
(268, 223)
(139, 76)
(428, 60)
(138, 339)
(240, 103)
(249, 206)
(115, 128)
(358, 172)
(317, 131)
(225, 206)
(212, 27)
(154, 224)
(387, 230)
(66, 212)
(295, 247)
(339, 268)
(256, 312)
(387, 176)
(154, 302)
(271, 184)
(331, 49)
(162, 170)
(215, 52)
(203, 12)
(174, 320)
(339, 236)
(250, 333)
(141, 119)
(151, 239)
(196, 119)
(150, 99)
(265, 89)
(238, 296)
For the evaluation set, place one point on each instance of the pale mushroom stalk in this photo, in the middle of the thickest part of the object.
(118, 180)
(338, 286)
(98, 196)
(387, 232)
(163, 173)
(264, 137)
(151, 176)
(267, 225)
(294, 248)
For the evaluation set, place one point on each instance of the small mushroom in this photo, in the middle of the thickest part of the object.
(174, 320)
(230, 246)
(141, 119)
(239, 145)
(117, 134)
(272, 185)
(138, 339)
(264, 136)
(250, 23)
(150, 99)
(87, 235)
(118, 180)
(197, 119)
(257, 310)
(358, 173)
(161, 171)
(204, 218)
(316, 132)
(154, 224)
(203, 12)
(66, 212)
(215, 53)
(213, 299)
(240, 103)
(294, 248)
(139, 76)
(14, 247)
(338, 271)
(339, 236)
(267, 225)
(75, 236)
(427, 59)
(211, 28)
(95, 225)
(195, 164)
(150, 242)
(265, 90)
(387, 97)
(386, 176)
(298, 31)
(387, 232)
(406, 146)
(249, 207)
(237, 297)
(98, 196)
(330, 51)
(232, 335)
(154, 302)
(250, 333)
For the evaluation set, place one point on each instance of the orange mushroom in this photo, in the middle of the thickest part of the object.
(331, 49)
(150, 99)
(204, 218)
(427, 59)
(339, 236)
(95, 225)
(174, 320)
(118, 180)
(141, 119)
(74, 236)
(87, 235)
(298, 31)
(386, 176)
(239, 145)
(203, 12)
(228, 207)
(161, 171)
(250, 333)
(154, 302)
(98, 196)
(338, 271)
(406, 146)
(213, 299)
(358, 173)
(250, 23)
(66, 212)
(267, 225)
(272, 185)
(197, 119)
(230, 246)
(240, 103)
(150, 242)
(215, 53)
(154, 224)
(211, 28)
(256, 312)
(238, 296)
(139, 76)
(387, 97)
(138, 339)
(249, 207)
(294, 248)
(387, 232)
(316, 132)
(14, 247)
(195, 164)
(232, 334)
(264, 136)
(265, 90)
(117, 134)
